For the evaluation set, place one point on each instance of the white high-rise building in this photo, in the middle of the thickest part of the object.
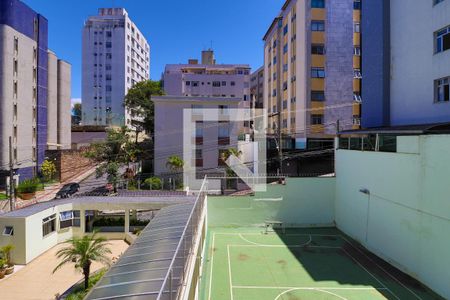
(115, 56)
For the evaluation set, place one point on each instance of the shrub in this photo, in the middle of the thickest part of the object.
(48, 169)
(28, 186)
(153, 183)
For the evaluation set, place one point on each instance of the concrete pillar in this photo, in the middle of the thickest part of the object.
(83, 221)
(127, 220)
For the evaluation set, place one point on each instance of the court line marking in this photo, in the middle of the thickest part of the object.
(211, 271)
(266, 245)
(229, 272)
(284, 246)
(374, 262)
(308, 288)
(287, 234)
(319, 290)
(373, 276)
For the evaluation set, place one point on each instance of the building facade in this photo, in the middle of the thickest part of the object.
(211, 139)
(408, 78)
(34, 91)
(116, 55)
(257, 88)
(208, 79)
(312, 70)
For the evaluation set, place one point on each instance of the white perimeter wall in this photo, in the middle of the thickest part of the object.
(406, 217)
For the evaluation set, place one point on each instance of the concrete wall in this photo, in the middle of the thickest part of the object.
(339, 65)
(52, 103)
(64, 104)
(406, 217)
(301, 202)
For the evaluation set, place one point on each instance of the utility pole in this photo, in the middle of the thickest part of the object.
(11, 176)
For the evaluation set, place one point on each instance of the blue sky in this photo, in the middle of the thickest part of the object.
(176, 29)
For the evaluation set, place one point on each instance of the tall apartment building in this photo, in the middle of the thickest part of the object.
(407, 62)
(34, 91)
(312, 70)
(116, 55)
(257, 88)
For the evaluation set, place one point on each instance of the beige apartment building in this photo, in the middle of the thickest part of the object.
(312, 75)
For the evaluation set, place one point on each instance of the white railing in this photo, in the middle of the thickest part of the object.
(178, 266)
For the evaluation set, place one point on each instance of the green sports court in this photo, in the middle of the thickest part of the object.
(241, 261)
(314, 263)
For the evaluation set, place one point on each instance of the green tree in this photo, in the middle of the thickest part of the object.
(76, 114)
(48, 169)
(138, 102)
(116, 150)
(83, 251)
(175, 163)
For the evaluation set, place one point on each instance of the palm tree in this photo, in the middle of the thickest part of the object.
(175, 163)
(83, 251)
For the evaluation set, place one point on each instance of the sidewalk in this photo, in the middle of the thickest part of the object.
(50, 194)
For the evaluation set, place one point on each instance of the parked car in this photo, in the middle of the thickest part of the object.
(68, 190)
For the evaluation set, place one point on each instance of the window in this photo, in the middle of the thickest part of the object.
(317, 3)
(285, 104)
(232, 83)
(285, 85)
(317, 96)
(437, 1)
(195, 83)
(285, 68)
(274, 60)
(8, 230)
(16, 67)
(357, 73)
(442, 40)
(224, 129)
(317, 72)
(108, 88)
(108, 45)
(356, 27)
(224, 83)
(199, 129)
(318, 49)
(316, 119)
(357, 51)
(48, 225)
(15, 89)
(108, 56)
(285, 48)
(188, 83)
(284, 123)
(317, 25)
(357, 4)
(16, 44)
(357, 97)
(69, 218)
(216, 84)
(285, 30)
(442, 90)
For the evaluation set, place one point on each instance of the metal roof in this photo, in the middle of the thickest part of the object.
(141, 271)
(36, 208)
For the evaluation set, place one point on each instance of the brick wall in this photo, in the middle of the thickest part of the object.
(70, 163)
